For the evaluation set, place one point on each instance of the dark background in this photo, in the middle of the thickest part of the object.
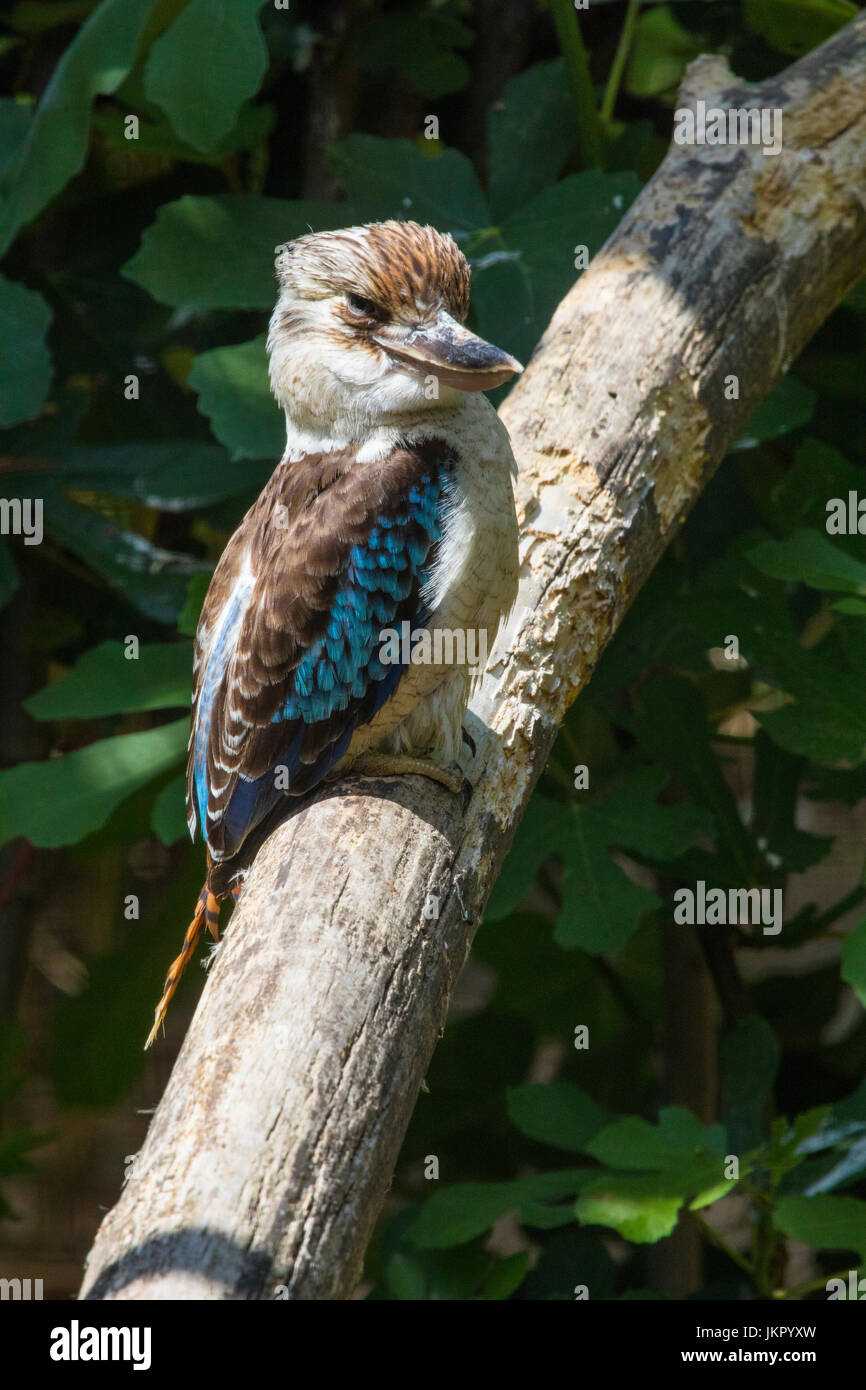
(135, 288)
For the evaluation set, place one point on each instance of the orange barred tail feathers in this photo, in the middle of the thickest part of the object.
(207, 914)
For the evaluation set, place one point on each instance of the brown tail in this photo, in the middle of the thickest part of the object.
(207, 914)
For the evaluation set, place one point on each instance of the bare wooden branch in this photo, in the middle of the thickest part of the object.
(272, 1151)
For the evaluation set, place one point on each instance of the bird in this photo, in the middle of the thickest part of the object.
(391, 509)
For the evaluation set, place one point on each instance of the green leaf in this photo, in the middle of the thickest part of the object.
(540, 834)
(852, 607)
(418, 45)
(582, 209)
(827, 728)
(407, 1273)
(34, 17)
(560, 1113)
(9, 578)
(103, 681)
(156, 137)
(601, 907)
(632, 818)
(838, 784)
(181, 476)
(777, 778)
(521, 270)
(530, 134)
(846, 1119)
(636, 145)
(153, 580)
(218, 253)
(15, 118)
(633, 1143)
(25, 373)
(843, 1132)
(852, 1109)
(533, 980)
(671, 725)
(750, 1061)
(455, 1276)
(95, 63)
(857, 298)
(797, 26)
(838, 375)
(187, 618)
(854, 960)
(406, 1278)
(849, 1168)
(458, 1214)
(660, 52)
(828, 721)
(686, 1163)
(787, 1146)
(638, 1208)
(59, 801)
(805, 495)
(205, 66)
(393, 178)
(572, 1257)
(234, 392)
(808, 557)
(824, 1222)
(505, 1276)
(168, 818)
(788, 406)
(645, 1207)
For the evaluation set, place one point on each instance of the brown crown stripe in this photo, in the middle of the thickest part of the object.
(408, 270)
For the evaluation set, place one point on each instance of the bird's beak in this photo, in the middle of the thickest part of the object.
(448, 351)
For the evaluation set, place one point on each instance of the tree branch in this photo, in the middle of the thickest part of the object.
(271, 1153)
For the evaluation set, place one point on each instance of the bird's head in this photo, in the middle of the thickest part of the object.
(368, 326)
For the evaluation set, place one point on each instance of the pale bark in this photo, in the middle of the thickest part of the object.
(269, 1157)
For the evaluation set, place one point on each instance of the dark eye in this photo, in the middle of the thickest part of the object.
(366, 308)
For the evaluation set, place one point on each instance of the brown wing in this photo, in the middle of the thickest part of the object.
(286, 666)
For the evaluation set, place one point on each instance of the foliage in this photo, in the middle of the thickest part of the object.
(137, 279)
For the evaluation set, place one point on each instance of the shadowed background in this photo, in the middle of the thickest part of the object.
(137, 279)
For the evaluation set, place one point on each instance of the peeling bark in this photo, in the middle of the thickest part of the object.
(269, 1157)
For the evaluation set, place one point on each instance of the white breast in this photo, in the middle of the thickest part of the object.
(472, 588)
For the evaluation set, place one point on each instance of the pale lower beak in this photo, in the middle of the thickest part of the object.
(448, 351)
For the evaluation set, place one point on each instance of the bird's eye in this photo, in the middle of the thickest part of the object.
(366, 308)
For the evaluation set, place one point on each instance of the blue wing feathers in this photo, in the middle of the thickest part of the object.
(339, 682)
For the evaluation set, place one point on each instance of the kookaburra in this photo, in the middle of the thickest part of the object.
(392, 505)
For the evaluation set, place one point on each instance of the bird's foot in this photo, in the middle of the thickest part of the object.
(402, 764)
(468, 740)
